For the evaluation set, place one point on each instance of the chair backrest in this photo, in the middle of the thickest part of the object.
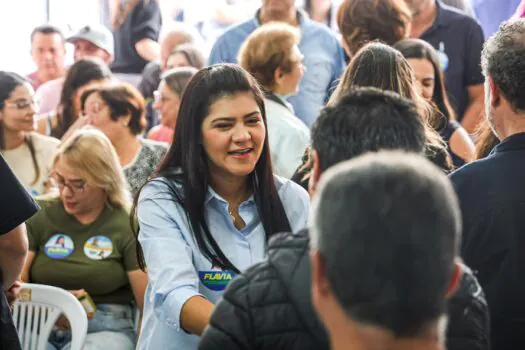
(37, 311)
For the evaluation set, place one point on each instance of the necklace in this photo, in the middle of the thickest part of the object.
(230, 211)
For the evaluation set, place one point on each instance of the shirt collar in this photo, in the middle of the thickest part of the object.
(302, 18)
(441, 18)
(214, 195)
(513, 142)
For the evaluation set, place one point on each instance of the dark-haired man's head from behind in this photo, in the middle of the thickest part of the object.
(384, 232)
(504, 69)
(364, 120)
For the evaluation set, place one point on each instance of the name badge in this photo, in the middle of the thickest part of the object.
(59, 246)
(216, 280)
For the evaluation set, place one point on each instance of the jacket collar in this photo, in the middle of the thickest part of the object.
(513, 142)
(273, 97)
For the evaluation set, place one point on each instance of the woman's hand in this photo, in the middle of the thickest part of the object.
(81, 122)
(13, 292)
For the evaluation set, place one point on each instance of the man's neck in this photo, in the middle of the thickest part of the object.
(45, 77)
(371, 338)
(423, 19)
(512, 127)
(320, 11)
(289, 17)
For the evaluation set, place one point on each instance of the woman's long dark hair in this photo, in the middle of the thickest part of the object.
(419, 49)
(8, 82)
(186, 163)
(80, 74)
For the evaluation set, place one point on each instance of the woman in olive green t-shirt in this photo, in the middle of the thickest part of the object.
(82, 241)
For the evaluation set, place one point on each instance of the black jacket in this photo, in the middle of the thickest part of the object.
(491, 194)
(268, 307)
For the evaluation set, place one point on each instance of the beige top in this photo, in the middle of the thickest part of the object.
(20, 161)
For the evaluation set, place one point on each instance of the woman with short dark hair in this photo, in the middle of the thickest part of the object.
(363, 21)
(118, 110)
(82, 75)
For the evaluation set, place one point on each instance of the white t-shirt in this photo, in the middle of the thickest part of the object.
(20, 161)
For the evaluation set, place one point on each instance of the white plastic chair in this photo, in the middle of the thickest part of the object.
(37, 311)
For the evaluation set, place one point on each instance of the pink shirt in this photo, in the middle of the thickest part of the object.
(34, 80)
(49, 95)
(161, 133)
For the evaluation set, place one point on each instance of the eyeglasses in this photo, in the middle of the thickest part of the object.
(22, 104)
(75, 186)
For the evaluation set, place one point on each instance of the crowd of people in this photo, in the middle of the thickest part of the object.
(346, 178)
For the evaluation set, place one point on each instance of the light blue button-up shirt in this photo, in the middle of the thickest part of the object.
(323, 58)
(177, 270)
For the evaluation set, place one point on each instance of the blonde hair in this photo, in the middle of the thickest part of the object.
(267, 48)
(94, 159)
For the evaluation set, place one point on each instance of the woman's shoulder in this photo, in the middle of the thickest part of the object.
(155, 147)
(278, 116)
(47, 201)
(44, 142)
(50, 207)
(162, 187)
(295, 201)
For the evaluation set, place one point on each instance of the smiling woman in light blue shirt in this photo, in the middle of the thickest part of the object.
(211, 210)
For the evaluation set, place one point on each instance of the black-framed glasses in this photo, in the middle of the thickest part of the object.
(22, 104)
(75, 186)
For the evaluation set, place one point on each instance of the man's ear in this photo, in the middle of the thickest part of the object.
(278, 76)
(109, 58)
(495, 93)
(455, 279)
(320, 284)
(315, 173)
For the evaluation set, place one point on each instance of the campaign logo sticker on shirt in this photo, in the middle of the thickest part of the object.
(216, 280)
(59, 246)
(443, 57)
(98, 247)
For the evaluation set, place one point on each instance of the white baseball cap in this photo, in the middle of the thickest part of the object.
(97, 34)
